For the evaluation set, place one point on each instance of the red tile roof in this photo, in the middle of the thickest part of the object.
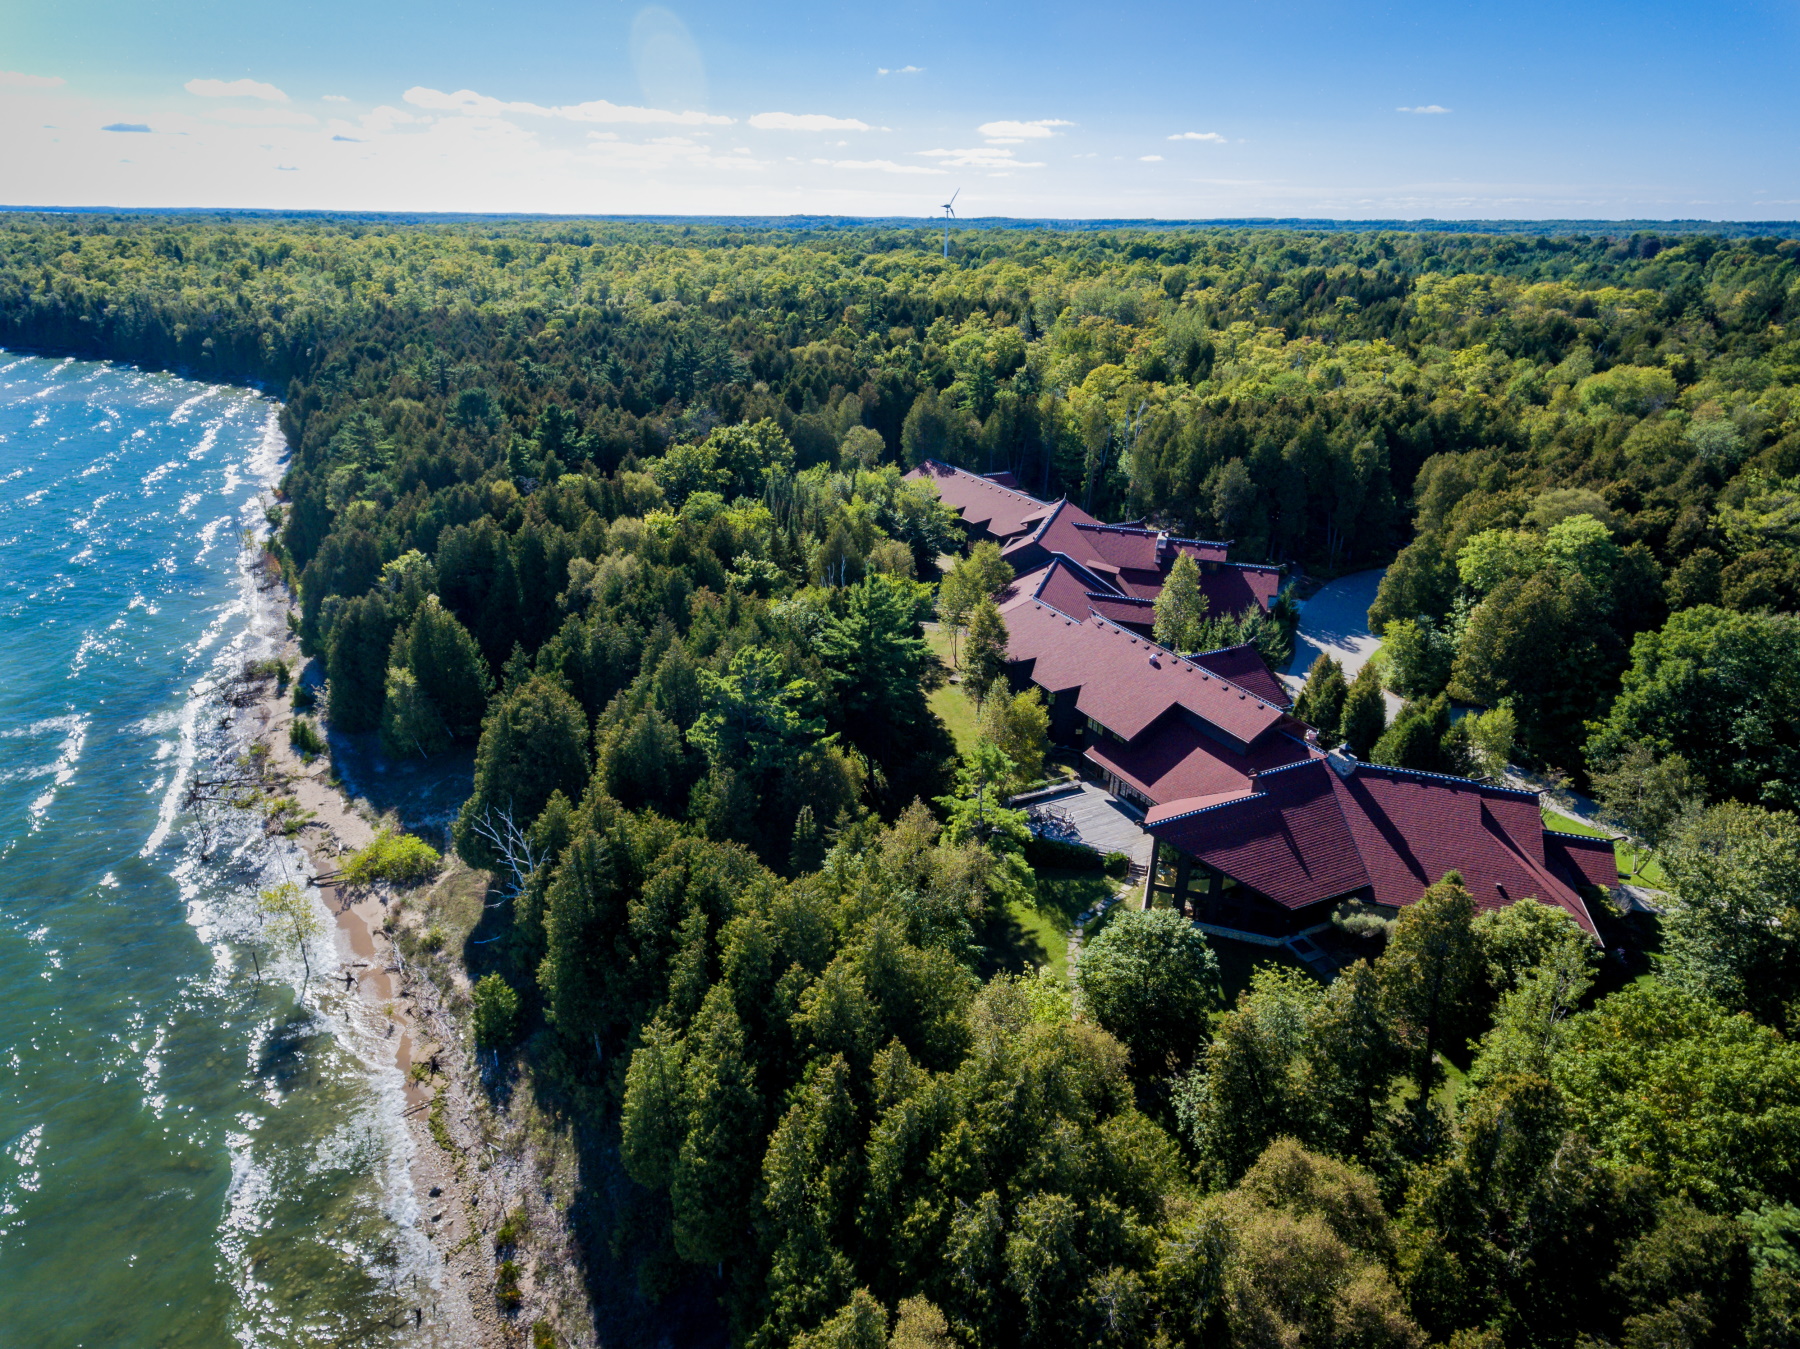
(1309, 834)
(986, 505)
(1203, 550)
(1125, 681)
(1244, 666)
(1175, 760)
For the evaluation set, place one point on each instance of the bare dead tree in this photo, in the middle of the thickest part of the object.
(517, 853)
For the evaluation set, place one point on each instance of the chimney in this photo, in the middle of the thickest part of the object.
(1154, 661)
(1342, 761)
(1312, 737)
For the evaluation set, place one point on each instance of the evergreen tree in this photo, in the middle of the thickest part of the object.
(447, 665)
(1365, 713)
(1321, 700)
(1181, 607)
(716, 1168)
(357, 666)
(410, 722)
(533, 743)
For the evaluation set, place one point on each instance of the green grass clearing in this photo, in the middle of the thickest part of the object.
(1239, 960)
(1629, 859)
(950, 703)
(1033, 934)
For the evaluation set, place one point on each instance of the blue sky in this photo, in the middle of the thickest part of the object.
(1125, 108)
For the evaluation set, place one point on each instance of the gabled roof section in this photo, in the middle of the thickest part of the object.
(1062, 584)
(1244, 666)
(1287, 839)
(999, 509)
(1403, 831)
(1174, 760)
(1126, 681)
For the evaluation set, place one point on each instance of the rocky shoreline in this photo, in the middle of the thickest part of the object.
(478, 1170)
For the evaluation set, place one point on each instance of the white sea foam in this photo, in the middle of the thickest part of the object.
(180, 414)
(62, 771)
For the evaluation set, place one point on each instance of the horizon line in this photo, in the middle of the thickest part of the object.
(806, 220)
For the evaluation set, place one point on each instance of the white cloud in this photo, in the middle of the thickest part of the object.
(125, 126)
(235, 89)
(1212, 136)
(263, 116)
(351, 140)
(18, 79)
(805, 121)
(878, 165)
(978, 158)
(1149, 159)
(383, 119)
(903, 70)
(1011, 133)
(1424, 107)
(335, 98)
(468, 102)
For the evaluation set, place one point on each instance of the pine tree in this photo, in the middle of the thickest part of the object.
(1181, 607)
(357, 665)
(1365, 713)
(1321, 701)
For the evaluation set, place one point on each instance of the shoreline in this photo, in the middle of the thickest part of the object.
(472, 1163)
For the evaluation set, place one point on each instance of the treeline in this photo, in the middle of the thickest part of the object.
(622, 507)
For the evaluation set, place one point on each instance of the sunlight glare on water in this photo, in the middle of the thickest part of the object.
(189, 1154)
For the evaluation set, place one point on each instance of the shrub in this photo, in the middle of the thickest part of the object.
(403, 859)
(1117, 864)
(306, 697)
(1055, 854)
(542, 1337)
(506, 1286)
(496, 1013)
(512, 1230)
(431, 940)
(305, 738)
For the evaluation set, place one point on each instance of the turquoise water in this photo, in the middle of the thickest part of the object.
(193, 1150)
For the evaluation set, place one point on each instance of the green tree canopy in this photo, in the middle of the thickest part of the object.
(1720, 689)
(1151, 979)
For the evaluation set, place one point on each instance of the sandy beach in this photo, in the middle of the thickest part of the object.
(473, 1164)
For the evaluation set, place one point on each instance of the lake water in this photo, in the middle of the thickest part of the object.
(193, 1150)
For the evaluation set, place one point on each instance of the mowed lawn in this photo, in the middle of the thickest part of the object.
(950, 703)
(1628, 858)
(1028, 935)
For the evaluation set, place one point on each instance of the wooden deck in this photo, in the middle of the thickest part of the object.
(1098, 819)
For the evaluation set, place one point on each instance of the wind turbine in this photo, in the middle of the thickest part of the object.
(949, 215)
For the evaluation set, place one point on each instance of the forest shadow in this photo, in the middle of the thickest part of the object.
(425, 794)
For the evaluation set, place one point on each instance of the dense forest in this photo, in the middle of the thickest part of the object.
(621, 507)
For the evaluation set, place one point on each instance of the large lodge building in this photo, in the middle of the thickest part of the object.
(1259, 833)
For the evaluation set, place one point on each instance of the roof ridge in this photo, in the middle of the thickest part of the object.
(1117, 598)
(1362, 764)
(1217, 805)
(1120, 529)
(1199, 669)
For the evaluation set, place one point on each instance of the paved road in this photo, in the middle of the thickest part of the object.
(1336, 621)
